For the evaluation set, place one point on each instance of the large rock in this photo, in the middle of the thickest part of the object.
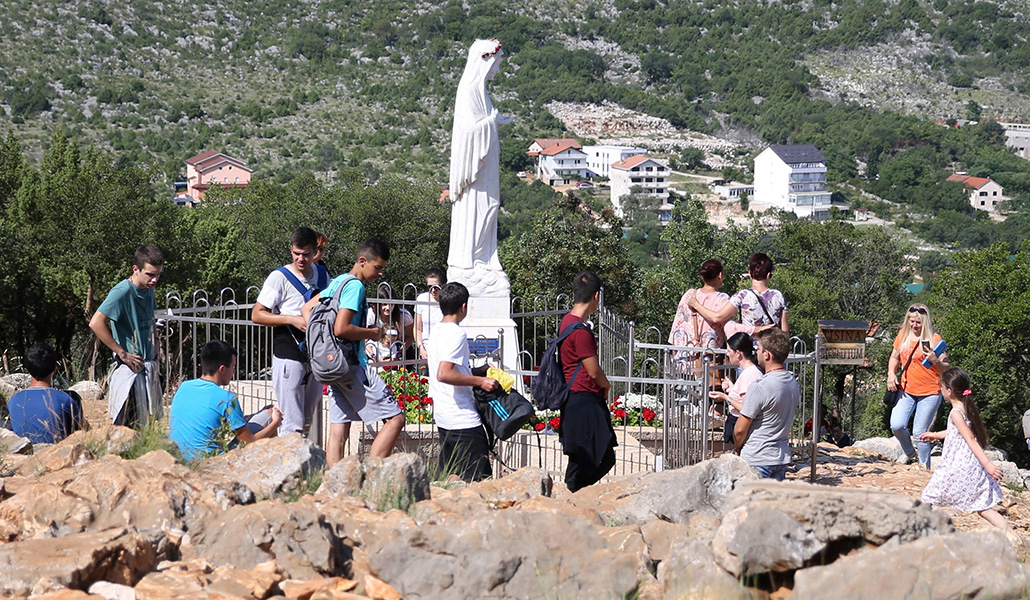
(107, 439)
(304, 544)
(398, 481)
(691, 572)
(269, 466)
(675, 495)
(526, 483)
(888, 448)
(14, 383)
(12, 443)
(772, 526)
(89, 391)
(506, 554)
(55, 458)
(959, 565)
(153, 493)
(75, 561)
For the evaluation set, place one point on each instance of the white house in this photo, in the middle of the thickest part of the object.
(601, 158)
(638, 170)
(544, 143)
(561, 165)
(731, 189)
(984, 193)
(1017, 138)
(792, 178)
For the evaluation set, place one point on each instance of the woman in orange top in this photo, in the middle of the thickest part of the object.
(920, 386)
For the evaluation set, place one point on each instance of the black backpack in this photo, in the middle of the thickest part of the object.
(549, 388)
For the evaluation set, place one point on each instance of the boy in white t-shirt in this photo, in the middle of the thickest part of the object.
(463, 442)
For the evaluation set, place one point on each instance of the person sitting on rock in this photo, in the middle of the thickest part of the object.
(41, 413)
(763, 428)
(201, 408)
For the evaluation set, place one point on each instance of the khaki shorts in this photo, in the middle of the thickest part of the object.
(363, 396)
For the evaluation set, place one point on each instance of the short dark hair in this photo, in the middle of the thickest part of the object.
(304, 237)
(710, 269)
(760, 266)
(774, 340)
(214, 354)
(438, 273)
(148, 255)
(373, 248)
(452, 296)
(41, 360)
(585, 286)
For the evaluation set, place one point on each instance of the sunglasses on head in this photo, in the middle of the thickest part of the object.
(916, 309)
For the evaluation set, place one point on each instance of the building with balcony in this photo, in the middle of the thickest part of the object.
(639, 170)
(984, 193)
(561, 164)
(601, 158)
(793, 179)
(1017, 138)
(207, 169)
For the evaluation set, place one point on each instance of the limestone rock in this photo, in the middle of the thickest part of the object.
(12, 443)
(526, 483)
(304, 590)
(660, 536)
(692, 572)
(674, 495)
(888, 448)
(397, 481)
(89, 391)
(171, 585)
(56, 457)
(108, 439)
(302, 542)
(627, 540)
(343, 479)
(269, 466)
(115, 555)
(259, 581)
(759, 539)
(112, 591)
(1011, 474)
(378, 589)
(67, 594)
(14, 383)
(958, 565)
(505, 554)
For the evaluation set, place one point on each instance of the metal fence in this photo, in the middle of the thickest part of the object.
(648, 376)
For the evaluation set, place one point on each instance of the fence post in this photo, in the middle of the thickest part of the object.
(706, 361)
(816, 417)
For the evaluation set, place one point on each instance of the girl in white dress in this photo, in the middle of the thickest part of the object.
(965, 479)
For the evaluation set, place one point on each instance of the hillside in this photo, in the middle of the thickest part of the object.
(323, 85)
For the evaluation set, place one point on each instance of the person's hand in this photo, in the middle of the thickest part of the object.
(505, 120)
(931, 356)
(994, 471)
(718, 396)
(277, 417)
(422, 351)
(488, 384)
(726, 383)
(299, 322)
(927, 436)
(134, 361)
(692, 299)
(892, 382)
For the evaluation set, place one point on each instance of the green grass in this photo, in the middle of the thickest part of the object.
(153, 436)
(309, 483)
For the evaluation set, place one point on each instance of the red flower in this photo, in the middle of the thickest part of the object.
(620, 414)
(429, 400)
(617, 400)
(554, 422)
(424, 400)
(648, 414)
(425, 381)
(539, 427)
(400, 403)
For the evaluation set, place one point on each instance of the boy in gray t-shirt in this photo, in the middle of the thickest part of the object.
(763, 429)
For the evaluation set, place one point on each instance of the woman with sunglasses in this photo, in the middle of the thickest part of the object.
(920, 387)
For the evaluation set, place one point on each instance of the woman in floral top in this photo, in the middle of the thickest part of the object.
(759, 306)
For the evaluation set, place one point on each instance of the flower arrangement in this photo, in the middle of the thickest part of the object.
(544, 422)
(411, 392)
(634, 410)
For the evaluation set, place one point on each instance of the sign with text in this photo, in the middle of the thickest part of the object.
(843, 342)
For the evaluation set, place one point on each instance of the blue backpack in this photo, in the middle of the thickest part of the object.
(549, 388)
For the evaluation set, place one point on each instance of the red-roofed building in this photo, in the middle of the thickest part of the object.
(212, 167)
(561, 164)
(640, 170)
(984, 193)
(543, 143)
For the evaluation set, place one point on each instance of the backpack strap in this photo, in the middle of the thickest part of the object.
(321, 277)
(297, 285)
(572, 328)
(764, 309)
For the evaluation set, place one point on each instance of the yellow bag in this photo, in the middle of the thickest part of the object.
(503, 378)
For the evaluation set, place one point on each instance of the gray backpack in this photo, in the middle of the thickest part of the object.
(330, 357)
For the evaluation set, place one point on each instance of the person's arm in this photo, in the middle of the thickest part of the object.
(419, 342)
(941, 362)
(714, 317)
(343, 328)
(409, 335)
(783, 322)
(262, 315)
(102, 329)
(740, 432)
(892, 370)
(245, 436)
(595, 372)
(967, 434)
(447, 373)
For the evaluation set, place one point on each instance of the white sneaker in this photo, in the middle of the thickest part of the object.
(904, 460)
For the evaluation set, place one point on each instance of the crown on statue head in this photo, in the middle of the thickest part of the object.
(497, 46)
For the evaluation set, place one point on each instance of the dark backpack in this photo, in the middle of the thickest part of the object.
(549, 388)
(330, 357)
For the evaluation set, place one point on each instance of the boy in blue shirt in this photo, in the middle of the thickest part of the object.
(200, 406)
(41, 413)
(363, 396)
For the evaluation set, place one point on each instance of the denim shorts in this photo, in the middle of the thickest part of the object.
(777, 472)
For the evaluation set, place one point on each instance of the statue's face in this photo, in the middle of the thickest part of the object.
(495, 65)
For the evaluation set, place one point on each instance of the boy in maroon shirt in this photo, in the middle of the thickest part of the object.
(587, 436)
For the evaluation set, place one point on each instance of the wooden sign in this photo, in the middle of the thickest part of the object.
(843, 342)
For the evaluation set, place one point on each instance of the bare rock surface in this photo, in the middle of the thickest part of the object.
(269, 466)
(12, 443)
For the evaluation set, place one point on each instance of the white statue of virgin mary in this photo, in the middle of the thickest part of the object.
(475, 187)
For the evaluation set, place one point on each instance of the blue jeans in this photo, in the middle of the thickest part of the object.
(777, 472)
(925, 409)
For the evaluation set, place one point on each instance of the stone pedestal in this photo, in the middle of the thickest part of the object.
(487, 316)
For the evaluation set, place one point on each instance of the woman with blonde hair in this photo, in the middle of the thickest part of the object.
(918, 386)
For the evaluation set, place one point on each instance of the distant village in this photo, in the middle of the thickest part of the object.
(791, 178)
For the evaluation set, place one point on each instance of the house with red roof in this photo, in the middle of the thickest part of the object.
(561, 163)
(643, 172)
(543, 143)
(984, 193)
(210, 168)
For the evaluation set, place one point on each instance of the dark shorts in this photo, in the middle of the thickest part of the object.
(464, 452)
(587, 438)
(727, 429)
